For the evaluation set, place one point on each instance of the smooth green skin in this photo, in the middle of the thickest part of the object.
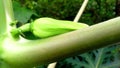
(29, 53)
(2, 18)
(47, 27)
(41, 28)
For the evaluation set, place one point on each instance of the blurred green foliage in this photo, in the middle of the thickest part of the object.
(106, 57)
(60, 9)
(95, 12)
(22, 14)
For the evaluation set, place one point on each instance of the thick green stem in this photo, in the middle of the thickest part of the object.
(6, 16)
(32, 53)
(9, 14)
(2, 18)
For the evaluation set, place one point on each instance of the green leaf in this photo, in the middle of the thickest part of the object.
(101, 58)
(22, 14)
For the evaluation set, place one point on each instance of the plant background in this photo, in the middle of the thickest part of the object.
(96, 11)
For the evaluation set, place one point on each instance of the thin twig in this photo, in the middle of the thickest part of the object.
(52, 65)
(78, 16)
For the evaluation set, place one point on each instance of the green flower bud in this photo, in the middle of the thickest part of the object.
(47, 27)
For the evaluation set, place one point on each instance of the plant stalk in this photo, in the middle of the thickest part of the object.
(3, 26)
(33, 53)
(76, 19)
(6, 17)
(9, 15)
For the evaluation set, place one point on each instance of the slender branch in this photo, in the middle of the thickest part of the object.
(81, 11)
(53, 65)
